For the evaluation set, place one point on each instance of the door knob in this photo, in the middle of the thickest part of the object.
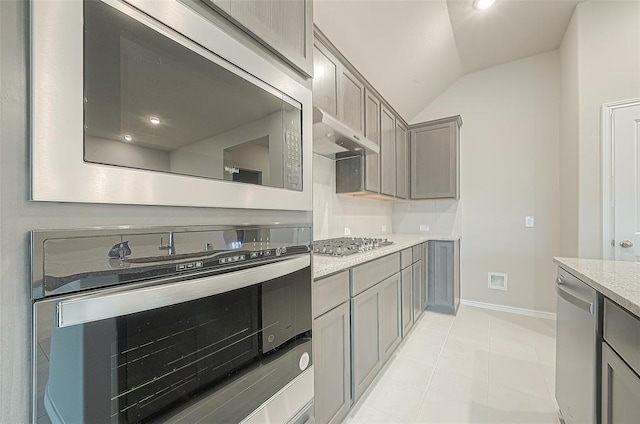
(626, 244)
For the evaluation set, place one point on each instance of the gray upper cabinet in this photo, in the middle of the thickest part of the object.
(372, 132)
(387, 152)
(325, 79)
(435, 159)
(391, 318)
(284, 26)
(402, 161)
(350, 100)
(332, 364)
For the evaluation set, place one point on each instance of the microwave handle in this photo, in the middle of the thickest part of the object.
(104, 306)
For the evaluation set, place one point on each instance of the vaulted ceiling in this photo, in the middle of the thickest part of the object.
(413, 50)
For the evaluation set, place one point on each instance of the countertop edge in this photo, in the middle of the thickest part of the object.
(326, 266)
(611, 293)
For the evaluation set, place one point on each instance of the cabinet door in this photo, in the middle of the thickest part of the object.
(325, 79)
(424, 291)
(417, 290)
(372, 132)
(620, 389)
(391, 319)
(366, 345)
(387, 152)
(434, 162)
(402, 161)
(351, 100)
(407, 301)
(441, 279)
(332, 365)
(285, 26)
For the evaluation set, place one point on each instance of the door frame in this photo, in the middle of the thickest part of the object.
(608, 174)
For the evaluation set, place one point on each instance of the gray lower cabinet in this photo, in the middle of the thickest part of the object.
(416, 277)
(443, 276)
(284, 26)
(620, 389)
(387, 152)
(407, 300)
(366, 310)
(391, 315)
(424, 291)
(332, 364)
(435, 159)
(620, 366)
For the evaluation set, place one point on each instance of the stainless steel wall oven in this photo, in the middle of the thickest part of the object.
(194, 324)
(148, 102)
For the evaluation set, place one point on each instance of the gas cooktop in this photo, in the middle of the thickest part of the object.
(345, 246)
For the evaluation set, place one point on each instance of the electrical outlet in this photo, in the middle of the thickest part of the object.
(384, 228)
(347, 231)
(424, 227)
(529, 222)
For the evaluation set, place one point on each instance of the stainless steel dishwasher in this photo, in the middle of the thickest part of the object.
(578, 350)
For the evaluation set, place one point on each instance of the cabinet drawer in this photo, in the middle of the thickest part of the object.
(330, 292)
(417, 253)
(371, 273)
(622, 332)
(406, 258)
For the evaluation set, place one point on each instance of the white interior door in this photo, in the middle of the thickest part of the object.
(625, 134)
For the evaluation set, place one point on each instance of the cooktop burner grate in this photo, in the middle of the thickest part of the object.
(345, 246)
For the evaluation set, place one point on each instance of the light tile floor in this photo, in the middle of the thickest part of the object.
(481, 366)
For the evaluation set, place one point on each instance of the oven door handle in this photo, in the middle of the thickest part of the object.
(98, 307)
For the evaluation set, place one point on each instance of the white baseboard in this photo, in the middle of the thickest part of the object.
(513, 310)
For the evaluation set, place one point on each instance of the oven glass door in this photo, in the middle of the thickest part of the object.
(213, 359)
(153, 103)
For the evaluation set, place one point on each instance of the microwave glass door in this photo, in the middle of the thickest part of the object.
(152, 103)
(211, 360)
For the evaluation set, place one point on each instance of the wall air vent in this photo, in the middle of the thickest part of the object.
(497, 281)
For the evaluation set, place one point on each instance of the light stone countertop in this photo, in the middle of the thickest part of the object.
(326, 265)
(617, 280)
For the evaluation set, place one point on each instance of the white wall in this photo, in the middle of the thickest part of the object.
(442, 216)
(333, 212)
(569, 151)
(600, 57)
(510, 158)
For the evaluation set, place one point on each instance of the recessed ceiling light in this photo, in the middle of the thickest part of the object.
(127, 137)
(154, 120)
(483, 4)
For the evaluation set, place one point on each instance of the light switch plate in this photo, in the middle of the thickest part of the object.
(424, 227)
(347, 231)
(529, 222)
(384, 228)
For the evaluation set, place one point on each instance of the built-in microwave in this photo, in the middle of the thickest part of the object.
(148, 102)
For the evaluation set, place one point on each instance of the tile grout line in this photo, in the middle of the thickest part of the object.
(398, 356)
(435, 367)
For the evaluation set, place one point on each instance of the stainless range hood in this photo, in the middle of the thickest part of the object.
(331, 137)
